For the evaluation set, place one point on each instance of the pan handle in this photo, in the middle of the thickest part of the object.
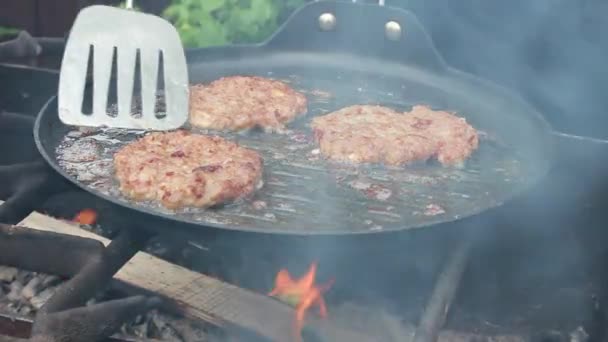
(366, 30)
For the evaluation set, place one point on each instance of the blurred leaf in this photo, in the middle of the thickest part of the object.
(215, 22)
(8, 31)
(212, 5)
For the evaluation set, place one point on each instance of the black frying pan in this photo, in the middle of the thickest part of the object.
(356, 63)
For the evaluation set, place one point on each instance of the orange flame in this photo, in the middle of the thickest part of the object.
(86, 216)
(302, 293)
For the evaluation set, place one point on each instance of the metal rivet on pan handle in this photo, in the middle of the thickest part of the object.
(327, 21)
(380, 2)
(392, 30)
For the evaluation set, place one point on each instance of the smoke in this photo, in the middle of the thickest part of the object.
(551, 51)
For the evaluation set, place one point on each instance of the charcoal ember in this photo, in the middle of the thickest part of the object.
(32, 287)
(161, 328)
(25, 311)
(40, 299)
(26, 292)
(16, 287)
(7, 274)
(49, 280)
(18, 309)
(191, 332)
(168, 333)
(24, 276)
(139, 328)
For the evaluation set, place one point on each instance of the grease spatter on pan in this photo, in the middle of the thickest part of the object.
(82, 158)
(259, 205)
(80, 151)
(373, 191)
(318, 95)
(434, 209)
(301, 138)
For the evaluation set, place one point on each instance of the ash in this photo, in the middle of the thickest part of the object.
(23, 293)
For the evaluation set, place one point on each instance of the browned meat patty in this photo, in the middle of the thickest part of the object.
(241, 102)
(456, 139)
(376, 134)
(181, 169)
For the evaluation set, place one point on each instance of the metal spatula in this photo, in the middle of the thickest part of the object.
(108, 31)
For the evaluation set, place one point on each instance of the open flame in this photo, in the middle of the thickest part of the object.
(86, 216)
(301, 293)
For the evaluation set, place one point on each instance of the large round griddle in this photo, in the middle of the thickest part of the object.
(305, 194)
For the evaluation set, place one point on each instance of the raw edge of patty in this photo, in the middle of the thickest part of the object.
(181, 169)
(377, 134)
(236, 103)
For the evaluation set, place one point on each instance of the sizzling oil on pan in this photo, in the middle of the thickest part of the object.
(302, 191)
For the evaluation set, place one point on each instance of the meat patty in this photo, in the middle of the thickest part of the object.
(181, 169)
(241, 102)
(456, 139)
(376, 134)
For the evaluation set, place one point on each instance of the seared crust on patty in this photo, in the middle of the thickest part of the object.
(181, 169)
(376, 134)
(240, 102)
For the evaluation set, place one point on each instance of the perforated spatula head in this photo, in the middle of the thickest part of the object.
(109, 31)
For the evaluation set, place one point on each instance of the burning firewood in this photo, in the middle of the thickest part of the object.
(302, 294)
(86, 216)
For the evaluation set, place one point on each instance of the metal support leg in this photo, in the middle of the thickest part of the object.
(26, 186)
(96, 273)
(438, 305)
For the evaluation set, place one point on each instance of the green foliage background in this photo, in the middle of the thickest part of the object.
(7, 32)
(203, 23)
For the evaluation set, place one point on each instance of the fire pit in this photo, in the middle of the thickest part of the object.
(465, 284)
